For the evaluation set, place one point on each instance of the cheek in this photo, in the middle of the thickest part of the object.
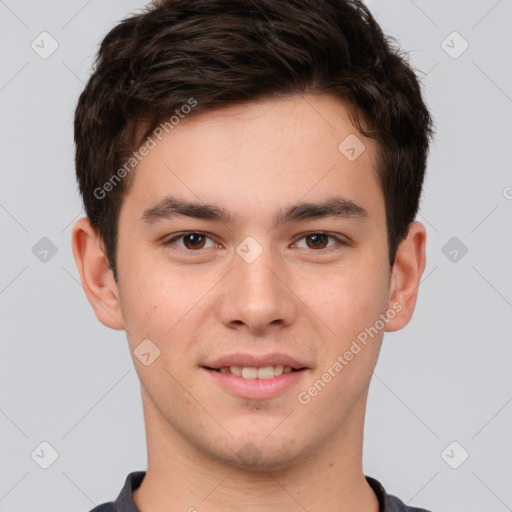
(162, 304)
(150, 304)
(349, 298)
(349, 305)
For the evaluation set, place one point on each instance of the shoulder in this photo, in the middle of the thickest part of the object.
(106, 507)
(388, 502)
(124, 502)
(396, 505)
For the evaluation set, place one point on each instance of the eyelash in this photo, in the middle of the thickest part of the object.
(169, 243)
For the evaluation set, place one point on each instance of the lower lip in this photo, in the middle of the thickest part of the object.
(256, 389)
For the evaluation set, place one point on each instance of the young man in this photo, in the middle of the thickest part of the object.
(251, 171)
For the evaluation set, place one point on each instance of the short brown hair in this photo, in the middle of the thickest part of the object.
(222, 52)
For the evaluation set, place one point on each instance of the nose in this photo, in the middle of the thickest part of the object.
(256, 296)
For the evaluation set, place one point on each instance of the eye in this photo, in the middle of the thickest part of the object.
(192, 241)
(320, 240)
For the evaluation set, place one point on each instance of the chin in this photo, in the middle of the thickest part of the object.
(254, 460)
(261, 452)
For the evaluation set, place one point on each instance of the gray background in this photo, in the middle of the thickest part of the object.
(69, 381)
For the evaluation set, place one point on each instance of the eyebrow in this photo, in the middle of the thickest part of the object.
(170, 207)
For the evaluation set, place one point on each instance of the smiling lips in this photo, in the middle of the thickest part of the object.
(250, 366)
(250, 372)
(256, 377)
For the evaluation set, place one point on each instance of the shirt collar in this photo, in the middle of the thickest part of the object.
(125, 503)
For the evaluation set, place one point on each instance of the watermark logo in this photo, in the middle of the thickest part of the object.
(249, 249)
(45, 45)
(455, 455)
(143, 151)
(454, 45)
(249, 454)
(44, 250)
(146, 352)
(351, 147)
(304, 397)
(454, 249)
(44, 455)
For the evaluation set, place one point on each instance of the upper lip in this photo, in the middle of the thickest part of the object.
(255, 361)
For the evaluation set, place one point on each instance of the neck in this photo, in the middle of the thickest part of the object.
(181, 477)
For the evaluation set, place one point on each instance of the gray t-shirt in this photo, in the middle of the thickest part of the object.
(125, 503)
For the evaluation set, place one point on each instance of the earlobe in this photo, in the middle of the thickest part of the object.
(406, 275)
(97, 280)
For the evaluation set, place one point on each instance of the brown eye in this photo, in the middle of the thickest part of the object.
(194, 241)
(189, 242)
(318, 241)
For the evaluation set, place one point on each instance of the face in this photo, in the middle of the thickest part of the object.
(250, 244)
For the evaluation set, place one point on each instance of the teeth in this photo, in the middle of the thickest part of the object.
(249, 372)
(235, 370)
(266, 372)
(278, 370)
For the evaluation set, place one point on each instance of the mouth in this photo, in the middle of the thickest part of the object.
(252, 372)
(256, 377)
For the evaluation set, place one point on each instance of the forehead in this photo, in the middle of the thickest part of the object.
(253, 157)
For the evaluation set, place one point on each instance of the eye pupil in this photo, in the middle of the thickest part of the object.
(194, 239)
(318, 239)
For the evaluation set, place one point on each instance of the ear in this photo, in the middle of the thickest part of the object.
(406, 275)
(97, 279)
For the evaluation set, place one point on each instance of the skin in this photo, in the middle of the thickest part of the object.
(295, 298)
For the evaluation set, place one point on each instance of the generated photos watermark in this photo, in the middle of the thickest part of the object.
(137, 156)
(304, 397)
